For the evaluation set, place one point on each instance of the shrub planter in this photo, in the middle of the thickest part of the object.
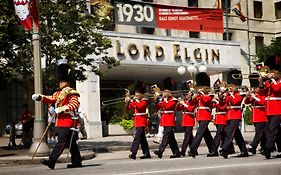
(116, 129)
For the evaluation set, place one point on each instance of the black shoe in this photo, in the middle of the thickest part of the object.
(74, 165)
(267, 154)
(48, 163)
(192, 153)
(182, 154)
(158, 154)
(175, 156)
(213, 154)
(243, 154)
(224, 154)
(145, 156)
(132, 156)
(278, 156)
(252, 150)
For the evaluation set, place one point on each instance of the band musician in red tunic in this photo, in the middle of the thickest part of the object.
(139, 106)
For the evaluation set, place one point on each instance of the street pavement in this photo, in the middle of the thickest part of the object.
(109, 155)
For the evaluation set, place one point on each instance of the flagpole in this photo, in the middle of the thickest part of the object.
(39, 124)
(226, 20)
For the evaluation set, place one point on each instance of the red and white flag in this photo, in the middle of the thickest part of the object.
(25, 16)
(22, 8)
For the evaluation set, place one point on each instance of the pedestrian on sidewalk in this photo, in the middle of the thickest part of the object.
(82, 118)
(139, 105)
(167, 105)
(27, 121)
(52, 120)
(66, 104)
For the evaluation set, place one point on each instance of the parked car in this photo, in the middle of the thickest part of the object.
(18, 129)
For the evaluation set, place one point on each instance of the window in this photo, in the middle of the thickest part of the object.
(229, 36)
(192, 3)
(145, 30)
(194, 34)
(259, 42)
(257, 9)
(226, 9)
(278, 10)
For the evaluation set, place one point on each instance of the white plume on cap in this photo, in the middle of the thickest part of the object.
(62, 61)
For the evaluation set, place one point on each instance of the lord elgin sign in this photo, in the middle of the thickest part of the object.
(159, 53)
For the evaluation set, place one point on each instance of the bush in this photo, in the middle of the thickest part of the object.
(127, 124)
(248, 116)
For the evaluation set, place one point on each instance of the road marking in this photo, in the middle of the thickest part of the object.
(200, 168)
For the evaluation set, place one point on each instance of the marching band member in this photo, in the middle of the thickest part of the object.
(139, 106)
(203, 116)
(259, 118)
(66, 103)
(219, 105)
(188, 120)
(273, 101)
(167, 105)
(234, 116)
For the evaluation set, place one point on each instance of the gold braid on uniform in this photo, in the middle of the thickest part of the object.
(65, 92)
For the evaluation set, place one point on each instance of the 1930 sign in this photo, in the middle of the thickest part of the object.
(168, 17)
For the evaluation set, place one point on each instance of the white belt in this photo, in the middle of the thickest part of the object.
(273, 98)
(202, 107)
(220, 113)
(258, 106)
(192, 113)
(233, 107)
(140, 114)
(168, 112)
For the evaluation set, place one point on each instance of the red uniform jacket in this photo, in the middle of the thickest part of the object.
(273, 99)
(258, 106)
(220, 115)
(167, 110)
(187, 112)
(70, 100)
(233, 110)
(204, 107)
(140, 113)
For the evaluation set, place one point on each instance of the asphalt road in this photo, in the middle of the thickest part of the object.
(117, 163)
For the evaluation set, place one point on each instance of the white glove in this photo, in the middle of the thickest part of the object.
(36, 97)
(51, 110)
(61, 109)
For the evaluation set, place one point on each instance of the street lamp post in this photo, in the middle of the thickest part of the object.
(39, 123)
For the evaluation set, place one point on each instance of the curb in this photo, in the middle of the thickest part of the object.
(26, 160)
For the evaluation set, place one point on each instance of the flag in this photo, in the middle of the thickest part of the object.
(237, 11)
(22, 8)
(218, 4)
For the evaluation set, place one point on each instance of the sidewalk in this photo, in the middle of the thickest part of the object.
(88, 148)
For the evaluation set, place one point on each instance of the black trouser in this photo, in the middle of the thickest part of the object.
(64, 136)
(169, 138)
(140, 139)
(188, 138)
(232, 130)
(274, 127)
(203, 131)
(278, 140)
(219, 137)
(259, 135)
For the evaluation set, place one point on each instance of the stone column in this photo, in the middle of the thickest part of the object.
(90, 104)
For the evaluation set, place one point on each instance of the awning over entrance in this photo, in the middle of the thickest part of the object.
(152, 58)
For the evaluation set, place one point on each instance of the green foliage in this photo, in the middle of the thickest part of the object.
(67, 31)
(127, 124)
(119, 113)
(273, 49)
(248, 116)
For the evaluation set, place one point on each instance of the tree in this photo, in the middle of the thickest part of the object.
(67, 31)
(273, 49)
